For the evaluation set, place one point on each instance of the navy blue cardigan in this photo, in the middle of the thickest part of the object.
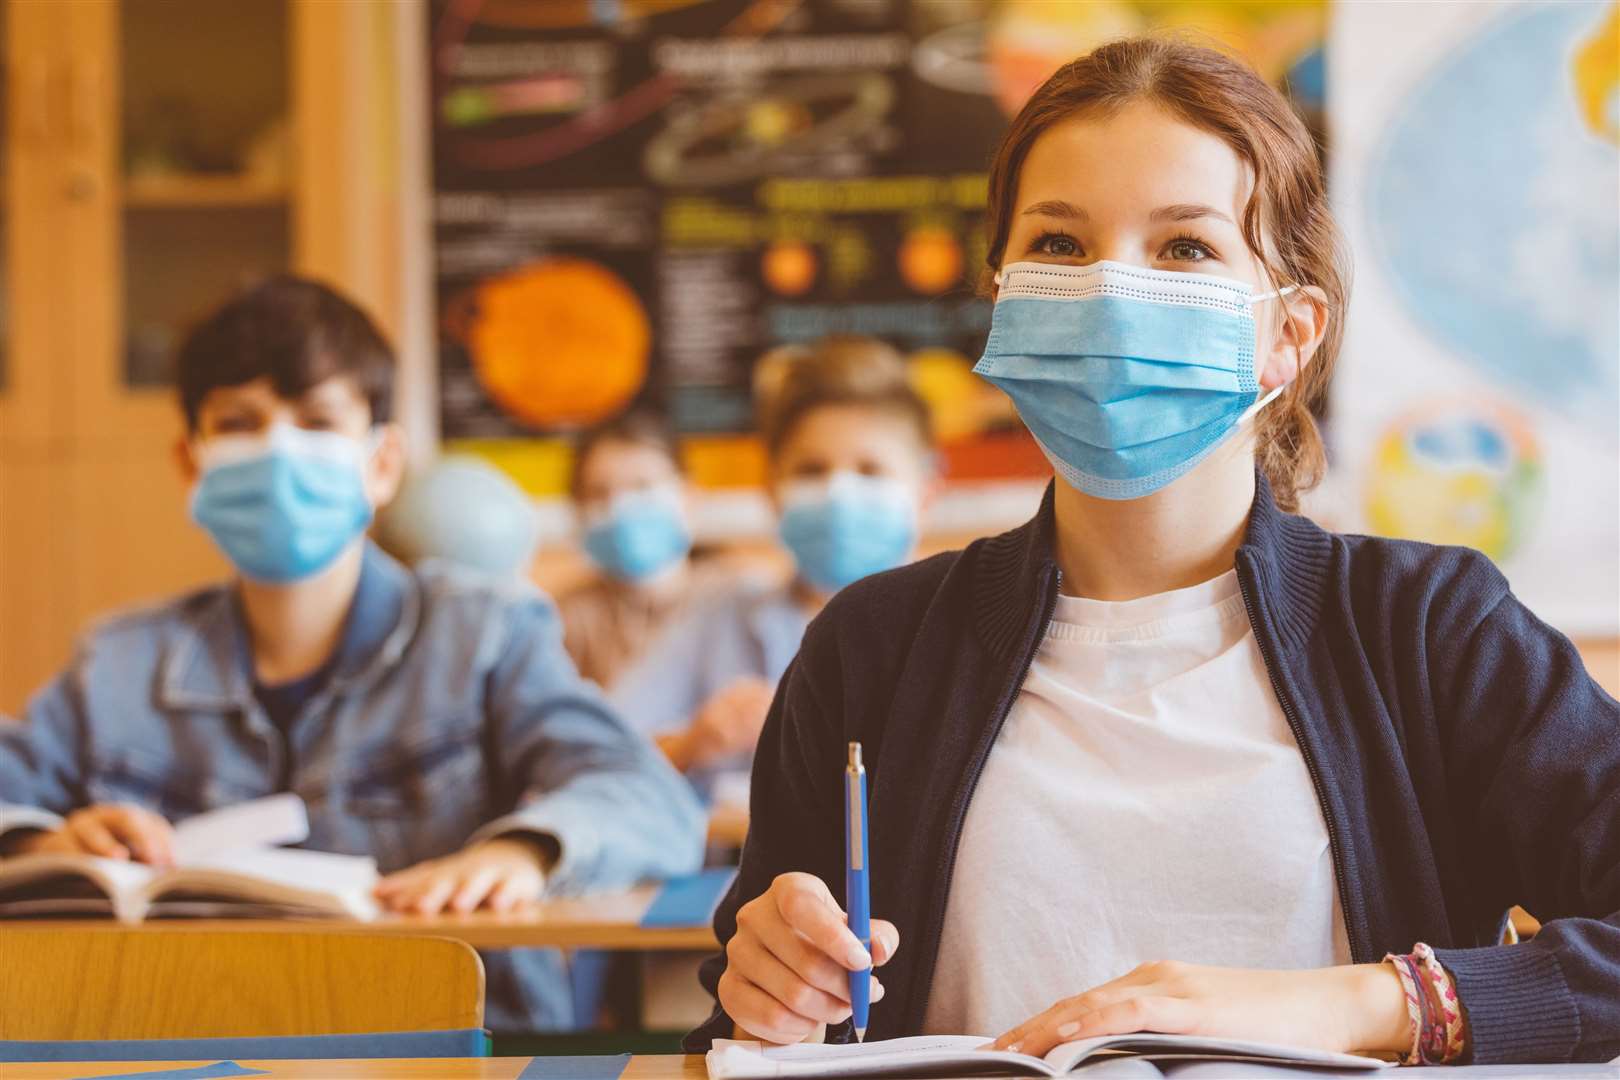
(1464, 760)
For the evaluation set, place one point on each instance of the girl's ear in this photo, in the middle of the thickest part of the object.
(1302, 322)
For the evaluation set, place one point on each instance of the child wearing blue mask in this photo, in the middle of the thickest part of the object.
(851, 469)
(631, 498)
(1170, 757)
(428, 718)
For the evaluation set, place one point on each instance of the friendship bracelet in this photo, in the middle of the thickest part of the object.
(1414, 1010)
(1444, 995)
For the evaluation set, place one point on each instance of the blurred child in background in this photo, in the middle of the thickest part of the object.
(428, 718)
(851, 468)
(631, 497)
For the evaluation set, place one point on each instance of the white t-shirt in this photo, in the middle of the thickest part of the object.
(1145, 800)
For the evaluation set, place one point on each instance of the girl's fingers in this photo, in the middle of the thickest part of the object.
(760, 1014)
(784, 984)
(885, 941)
(1172, 1016)
(1020, 1037)
(809, 963)
(805, 905)
(91, 835)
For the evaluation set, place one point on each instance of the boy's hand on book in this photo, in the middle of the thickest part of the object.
(112, 831)
(1359, 1008)
(498, 874)
(787, 967)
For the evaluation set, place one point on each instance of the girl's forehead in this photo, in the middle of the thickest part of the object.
(1138, 158)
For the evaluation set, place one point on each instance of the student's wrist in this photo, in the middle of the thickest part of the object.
(544, 847)
(1377, 1004)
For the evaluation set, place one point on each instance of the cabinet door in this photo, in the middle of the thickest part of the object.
(184, 156)
(34, 375)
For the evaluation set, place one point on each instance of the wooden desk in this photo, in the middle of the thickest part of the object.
(606, 921)
(641, 1067)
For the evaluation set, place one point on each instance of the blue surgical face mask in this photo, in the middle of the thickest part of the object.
(1127, 377)
(848, 526)
(640, 534)
(282, 506)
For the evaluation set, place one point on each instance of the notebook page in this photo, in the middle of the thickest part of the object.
(268, 822)
(938, 1055)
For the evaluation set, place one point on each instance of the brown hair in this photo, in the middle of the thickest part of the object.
(842, 369)
(293, 331)
(639, 427)
(1287, 222)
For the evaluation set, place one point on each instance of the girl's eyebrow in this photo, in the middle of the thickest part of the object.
(1056, 208)
(1188, 212)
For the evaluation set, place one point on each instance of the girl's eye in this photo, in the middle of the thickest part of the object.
(1186, 249)
(1060, 245)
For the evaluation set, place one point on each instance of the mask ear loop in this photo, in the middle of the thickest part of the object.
(1250, 413)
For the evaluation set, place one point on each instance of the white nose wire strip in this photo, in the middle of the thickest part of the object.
(1272, 295)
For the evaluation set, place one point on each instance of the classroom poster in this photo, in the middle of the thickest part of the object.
(1475, 169)
(636, 199)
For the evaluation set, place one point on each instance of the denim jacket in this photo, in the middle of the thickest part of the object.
(458, 718)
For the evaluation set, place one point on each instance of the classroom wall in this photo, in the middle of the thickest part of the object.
(81, 532)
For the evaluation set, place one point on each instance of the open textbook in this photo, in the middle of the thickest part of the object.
(226, 864)
(966, 1055)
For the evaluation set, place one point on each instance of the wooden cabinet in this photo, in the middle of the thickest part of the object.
(158, 154)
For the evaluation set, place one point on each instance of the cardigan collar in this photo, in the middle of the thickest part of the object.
(1284, 556)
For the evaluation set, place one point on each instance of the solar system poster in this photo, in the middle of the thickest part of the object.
(636, 199)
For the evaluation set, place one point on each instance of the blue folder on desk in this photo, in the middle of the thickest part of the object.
(468, 1042)
(688, 901)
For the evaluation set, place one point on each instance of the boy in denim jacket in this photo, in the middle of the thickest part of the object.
(428, 718)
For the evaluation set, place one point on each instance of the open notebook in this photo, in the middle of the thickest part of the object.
(227, 864)
(963, 1055)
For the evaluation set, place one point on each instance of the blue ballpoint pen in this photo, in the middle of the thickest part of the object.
(857, 895)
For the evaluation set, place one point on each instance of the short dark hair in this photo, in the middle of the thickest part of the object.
(640, 426)
(293, 331)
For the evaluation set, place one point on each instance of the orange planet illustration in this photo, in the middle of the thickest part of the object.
(930, 259)
(789, 267)
(560, 343)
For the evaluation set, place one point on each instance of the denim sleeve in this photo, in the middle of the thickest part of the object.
(617, 810)
(41, 770)
(1534, 756)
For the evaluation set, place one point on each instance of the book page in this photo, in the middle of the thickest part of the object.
(1158, 1047)
(258, 823)
(333, 884)
(121, 881)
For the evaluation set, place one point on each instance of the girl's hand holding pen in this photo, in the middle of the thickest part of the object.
(788, 965)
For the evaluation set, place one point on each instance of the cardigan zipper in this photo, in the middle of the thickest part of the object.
(959, 810)
(1352, 914)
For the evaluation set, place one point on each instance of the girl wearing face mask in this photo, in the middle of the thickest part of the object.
(1170, 757)
(850, 467)
(631, 499)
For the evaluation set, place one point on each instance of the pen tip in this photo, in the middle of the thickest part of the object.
(860, 1035)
